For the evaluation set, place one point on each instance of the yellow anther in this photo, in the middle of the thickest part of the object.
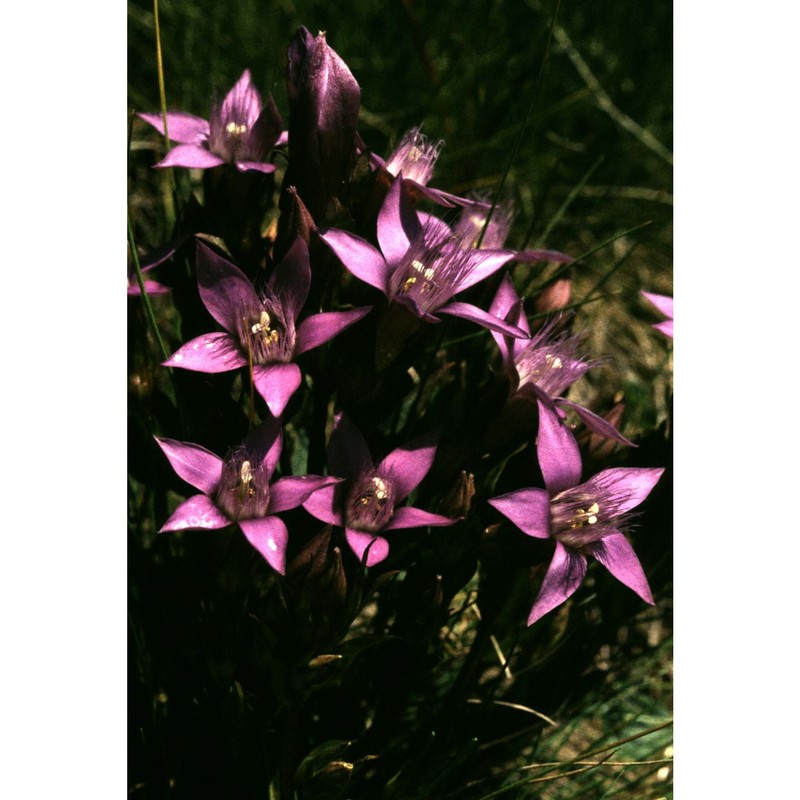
(236, 128)
(426, 272)
(381, 492)
(585, 516)
(554, 361)
(245, 488)
(262, 324)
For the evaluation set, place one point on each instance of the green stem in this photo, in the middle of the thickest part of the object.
(151, 317)
(168, 176)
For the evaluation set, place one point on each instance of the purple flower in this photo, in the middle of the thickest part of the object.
(664, 304)
(241, 131)
(146, 264)
(368, 502)
(411, 164)
(324, 99)
(545, 365)
(261, 330)
(419, 265)
(472, 221)
(238, 490)
(584, 519)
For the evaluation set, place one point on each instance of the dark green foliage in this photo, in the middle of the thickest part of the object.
(419, 678)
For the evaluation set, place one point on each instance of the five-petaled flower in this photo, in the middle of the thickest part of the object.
(241, 131)
(664, 304)
(261, 331)
(238, 490)
(420, 265)
(583, 519)
(546, 364)
(367, 502)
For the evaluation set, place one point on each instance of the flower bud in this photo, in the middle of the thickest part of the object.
(324, 100)
(458, 500)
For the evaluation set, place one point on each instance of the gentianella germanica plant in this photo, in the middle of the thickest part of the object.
(368, 427)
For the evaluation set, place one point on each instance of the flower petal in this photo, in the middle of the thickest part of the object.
(564, 575)
(407, 465)
(320, 328)
(483, 264)
(348, 454)
(291, 278)
(325, 505)
(557, 450)
(616, 554)
(528, 509)
(556, 256)
(505, 298)
(196, 513)
(225, 290)
(628, 486)
(211, 352)
(508, 306)
(398, 225)
(595, 423)
(359, 257)
(362, 542)
(190, 155)
(665, 328)
(242, 103)
(181, 127)
(276, 383)
(269, 536)
(662, 302)
(483, 318)
(293, 491)
(197, 466)
(258, 166)
(264, 444)
(151, 287)
(410, 517)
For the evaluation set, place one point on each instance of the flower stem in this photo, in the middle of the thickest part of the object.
(168, 176)
(145, 299)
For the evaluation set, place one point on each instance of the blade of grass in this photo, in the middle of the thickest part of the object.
(151, 317)
(567, 202)
(517, 144)
(168, 179)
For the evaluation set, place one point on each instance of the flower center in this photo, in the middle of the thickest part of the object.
(370, 504)
(578, 519)
(414, 157)
(243, 491)
(265, 337)
(425, 274)
(587, 517)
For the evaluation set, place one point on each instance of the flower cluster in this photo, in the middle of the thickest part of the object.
(362, 257)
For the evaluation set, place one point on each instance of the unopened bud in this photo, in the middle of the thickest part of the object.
(458, 500)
